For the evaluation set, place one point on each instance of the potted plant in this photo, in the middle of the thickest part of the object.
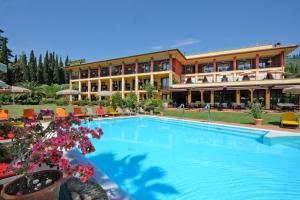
(36, 145)
(256, 111)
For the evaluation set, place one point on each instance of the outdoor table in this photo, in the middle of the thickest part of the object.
(287, 106)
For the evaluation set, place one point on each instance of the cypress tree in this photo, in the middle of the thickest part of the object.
(56, 77)
(40, 78)
(61, 71)
(32, 67)
(66, 73)
(24, 67)
(46, 68)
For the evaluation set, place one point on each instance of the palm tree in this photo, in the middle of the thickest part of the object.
(50, 90)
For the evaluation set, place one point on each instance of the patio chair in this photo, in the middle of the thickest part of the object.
(112, 111)
(234, 105)
(289, 118)
(61, 112)
(78, 112)
(90, 112)
(120, 110)
(4, 116)
(28, 113)
(224, 105)
(100, 111)
(243, 105)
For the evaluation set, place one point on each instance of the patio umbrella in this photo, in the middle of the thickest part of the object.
(67, 92)
(292, 90)
(15, 89)
(105, 93)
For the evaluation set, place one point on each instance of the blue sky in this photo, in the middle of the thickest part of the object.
(102, 29)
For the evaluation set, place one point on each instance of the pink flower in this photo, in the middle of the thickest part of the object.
(17, 165)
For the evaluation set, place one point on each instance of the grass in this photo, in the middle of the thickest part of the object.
(232, 117)
(17, 110)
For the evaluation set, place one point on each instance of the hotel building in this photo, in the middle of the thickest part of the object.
(232, 76)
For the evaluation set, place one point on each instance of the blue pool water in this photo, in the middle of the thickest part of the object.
(156, 159)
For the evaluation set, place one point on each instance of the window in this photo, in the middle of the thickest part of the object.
(94, 73)
(74, 75)
(206, 67)
(223, 66)
(265, 62)
(144, 67)
(84, 73)
(189, 69)
(165, 82)
(244, 64)
(105, 71)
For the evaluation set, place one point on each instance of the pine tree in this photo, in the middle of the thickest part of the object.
(40, 78)
(24, 67)
(46, 68)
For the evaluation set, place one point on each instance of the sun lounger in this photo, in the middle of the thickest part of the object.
(78, 112)
(90, 112)
(112, 111)
(4, 115)
(100, 111)
(61, 112)
(129, 112)
(289, 118)
(28, 113)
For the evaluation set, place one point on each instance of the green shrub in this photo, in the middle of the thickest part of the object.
(48, 101)
(256, 110)
(116, 100)
(153, 104)
(61, 102)
(200, 104)
(131, 100)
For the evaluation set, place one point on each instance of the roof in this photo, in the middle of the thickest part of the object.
(262, 50)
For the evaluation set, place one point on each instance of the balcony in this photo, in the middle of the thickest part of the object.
(163, 65)
(129, 69)
(104, 72)
(116, 70)
(275, 73)
(144, 68)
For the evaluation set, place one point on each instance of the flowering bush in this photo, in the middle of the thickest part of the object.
(35, 145)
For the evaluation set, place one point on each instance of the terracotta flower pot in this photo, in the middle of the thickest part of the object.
(50, 192)
(258, 122)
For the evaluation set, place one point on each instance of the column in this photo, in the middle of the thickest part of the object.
(299, 101)
(257, 67)
(268, 91)
(89, 72)
(215, 70)
(151, 79)
(202, 95)
(123, 68)
(110, 69)
(70, 76)
(212, 97)
(196, 71)
(238, 97)
(137, 87)
(251, 94)
(170, 78)
(89, 90)
(189, 96)
(234, 68)
(171, 62)
(79, 95)
(152, 64)
(110, 84)
(99, 71)
(136, 66)
(99, 87)
(123, 87)
(70, 87)
(281, 61)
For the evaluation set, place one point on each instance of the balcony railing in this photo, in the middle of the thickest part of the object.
(234, 76)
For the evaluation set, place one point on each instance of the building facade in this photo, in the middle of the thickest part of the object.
(230, 77)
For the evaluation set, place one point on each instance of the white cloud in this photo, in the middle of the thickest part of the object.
(185, 42)
(157, 47)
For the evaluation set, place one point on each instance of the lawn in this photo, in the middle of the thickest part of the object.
(17, 110)
(232, 117)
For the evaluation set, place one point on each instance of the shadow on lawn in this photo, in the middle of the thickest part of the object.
(144, 183)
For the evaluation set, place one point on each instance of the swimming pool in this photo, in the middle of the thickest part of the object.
(153, 158)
